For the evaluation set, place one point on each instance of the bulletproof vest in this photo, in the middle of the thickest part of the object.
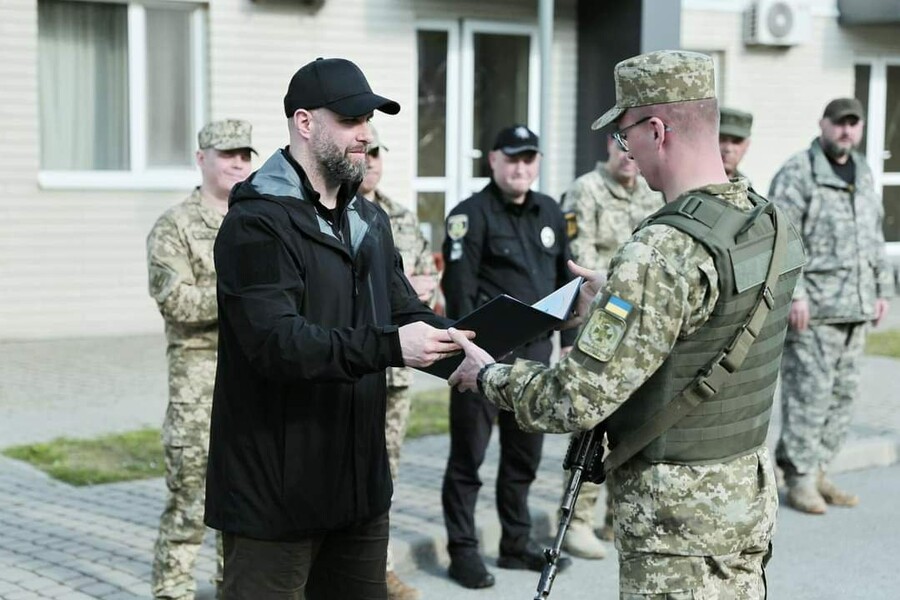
(733, 420)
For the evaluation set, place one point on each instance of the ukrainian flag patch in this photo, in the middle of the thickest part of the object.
(605, 330)
(618, 307)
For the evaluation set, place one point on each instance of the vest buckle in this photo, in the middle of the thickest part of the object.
(689, 207)
(768, 298)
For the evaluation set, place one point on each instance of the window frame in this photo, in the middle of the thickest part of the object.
(876, 114)
(140, 176)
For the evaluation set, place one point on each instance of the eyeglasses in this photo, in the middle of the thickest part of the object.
(622, 139)
(373, 153)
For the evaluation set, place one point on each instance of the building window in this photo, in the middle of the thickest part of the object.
(122, 93)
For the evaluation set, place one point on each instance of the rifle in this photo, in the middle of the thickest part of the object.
(584, 461)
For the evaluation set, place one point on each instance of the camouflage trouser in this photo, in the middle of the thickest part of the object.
(819, 382)
(738, 576)
(186, 445)
(397, 419)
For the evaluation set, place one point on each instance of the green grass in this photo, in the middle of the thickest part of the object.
(430, 413)
(106, 459)
(884, 343)
(139, 454)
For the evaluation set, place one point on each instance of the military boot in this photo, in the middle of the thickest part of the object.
(398, 590)
(580, 541)
(804, 496)
(833, 494)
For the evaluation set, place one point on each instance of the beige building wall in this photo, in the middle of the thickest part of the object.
(786, 89)
(72, 262)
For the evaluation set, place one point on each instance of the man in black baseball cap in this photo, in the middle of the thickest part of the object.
(313, 309)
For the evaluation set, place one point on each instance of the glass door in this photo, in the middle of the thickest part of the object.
(474, 78)
(500, 77)
(878, 88)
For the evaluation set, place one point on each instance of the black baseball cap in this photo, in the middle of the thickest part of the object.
(336, 84)
(516, 139)
(839, 108)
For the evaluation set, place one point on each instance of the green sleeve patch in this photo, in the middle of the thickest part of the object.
(602, 335)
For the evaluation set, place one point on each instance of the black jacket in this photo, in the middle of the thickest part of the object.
(519, 250)
(307, 326)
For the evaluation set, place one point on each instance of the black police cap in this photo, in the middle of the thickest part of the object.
(516, 140)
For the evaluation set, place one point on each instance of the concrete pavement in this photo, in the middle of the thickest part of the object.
(64, 542)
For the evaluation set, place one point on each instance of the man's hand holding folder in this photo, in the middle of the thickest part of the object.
(465, 377)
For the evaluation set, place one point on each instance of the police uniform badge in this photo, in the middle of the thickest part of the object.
(571, 225)
(548, 237)
(605, 329)
(457, 226)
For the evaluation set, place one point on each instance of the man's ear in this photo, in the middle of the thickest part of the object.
(303, 122)
(200, 158)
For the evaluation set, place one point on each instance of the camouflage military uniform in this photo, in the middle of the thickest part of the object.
(417, 260)
(689, 531)
(606, 213)
(847, 271)
(183, 283)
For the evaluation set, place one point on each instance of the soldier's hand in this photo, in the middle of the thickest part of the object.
(424, 285)
(593, 282)
(423, 344)
(881, 310)
(465, 377)
(799, 317)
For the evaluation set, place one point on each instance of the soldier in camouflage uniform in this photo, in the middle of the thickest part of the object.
(183, 283)
(694, 513)
(829, 194)
(734, 138)
(421, 271)
(602, 208)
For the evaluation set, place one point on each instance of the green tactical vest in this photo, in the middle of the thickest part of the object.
(734, 420)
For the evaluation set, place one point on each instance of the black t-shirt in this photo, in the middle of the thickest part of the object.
(846, 171)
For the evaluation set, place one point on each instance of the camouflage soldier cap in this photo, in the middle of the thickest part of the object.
(227, 134)
(660, 78)
(840, 108)
(376, 140)
(733, 122)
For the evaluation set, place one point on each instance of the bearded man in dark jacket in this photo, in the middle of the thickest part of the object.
(313, 306)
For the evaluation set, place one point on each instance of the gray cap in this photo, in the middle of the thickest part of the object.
(839, 108)
(735, 122)
(227, 134)
(660, 78)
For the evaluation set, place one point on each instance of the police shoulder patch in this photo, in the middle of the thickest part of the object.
(605, 329)
(457, 226)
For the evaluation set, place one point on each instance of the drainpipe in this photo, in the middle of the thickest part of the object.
(545, 22)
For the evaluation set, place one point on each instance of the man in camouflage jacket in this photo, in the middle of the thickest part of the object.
(418, 263)
(684, 529)
(830, 196)
(183, 283)
(602, 208)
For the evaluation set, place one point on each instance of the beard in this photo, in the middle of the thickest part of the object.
(336, 167)
(835, 150)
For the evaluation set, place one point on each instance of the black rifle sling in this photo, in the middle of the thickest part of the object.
(714, 378)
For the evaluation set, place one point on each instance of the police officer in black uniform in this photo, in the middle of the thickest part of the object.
(506, 239)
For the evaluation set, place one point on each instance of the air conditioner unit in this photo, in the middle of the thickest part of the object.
(777, 23)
